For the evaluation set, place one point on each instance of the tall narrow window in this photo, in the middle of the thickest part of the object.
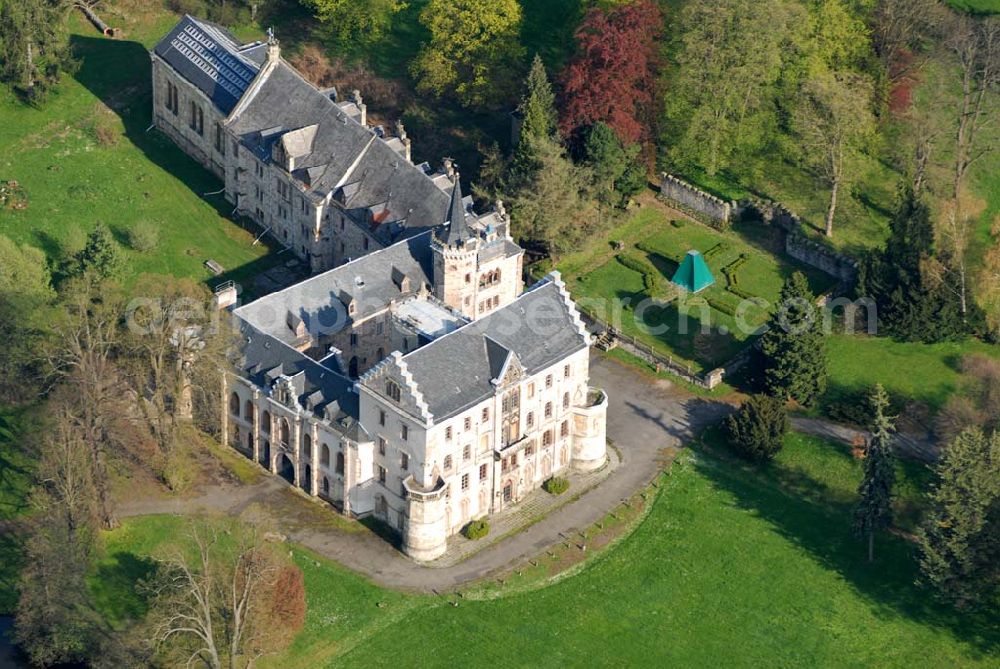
(220, 140)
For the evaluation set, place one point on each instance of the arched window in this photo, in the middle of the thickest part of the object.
(286, 432)
(392, 390)
(379, 353)
(248, 411)
(307, 445)
(352, 366)
(326, 486)
(340, 463)
(234, 404)
(324, 456)
(265, 422)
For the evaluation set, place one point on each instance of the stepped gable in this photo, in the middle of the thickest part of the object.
(457, 370)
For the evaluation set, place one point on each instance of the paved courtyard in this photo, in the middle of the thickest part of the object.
(644, 416)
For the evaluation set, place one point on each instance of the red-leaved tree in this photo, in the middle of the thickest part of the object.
(612, 74)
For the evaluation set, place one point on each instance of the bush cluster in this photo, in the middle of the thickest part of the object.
(556, 485)
(476, 529)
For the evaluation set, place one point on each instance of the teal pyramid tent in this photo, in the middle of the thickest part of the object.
(693, 274)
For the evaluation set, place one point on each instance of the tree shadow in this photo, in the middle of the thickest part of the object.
(547, 29)
(116, 586)
(804, 511)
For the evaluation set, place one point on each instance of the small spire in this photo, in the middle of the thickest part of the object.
(458, 230)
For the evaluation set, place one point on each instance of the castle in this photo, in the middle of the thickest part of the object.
(412, 377)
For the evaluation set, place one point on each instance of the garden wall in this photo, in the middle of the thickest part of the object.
(695, 202)
(822, 258)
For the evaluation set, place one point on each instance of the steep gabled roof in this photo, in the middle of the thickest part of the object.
(210, 58)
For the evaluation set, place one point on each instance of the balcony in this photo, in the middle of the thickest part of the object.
(423, 493)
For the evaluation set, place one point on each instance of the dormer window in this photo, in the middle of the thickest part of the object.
(392, 390)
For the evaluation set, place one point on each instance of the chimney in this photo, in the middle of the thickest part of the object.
(356, 98)
(401, 131)
(449, 168)
(501, 210)
(273, 51)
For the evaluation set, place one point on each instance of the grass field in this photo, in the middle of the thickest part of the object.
(925, 373)
(600, 282)
(734, 565)
(85, 156)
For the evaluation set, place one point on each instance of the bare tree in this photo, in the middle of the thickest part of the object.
(212, 598)
(833, 121)
(900, 29)
(975, 42)
(81, 358)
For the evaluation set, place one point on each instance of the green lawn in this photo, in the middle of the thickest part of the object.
(734, 566)
(695, 330)
(926, 373)
(977, 6)
(73, 179)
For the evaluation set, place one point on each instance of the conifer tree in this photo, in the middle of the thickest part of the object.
(794, 346)
(538, 113)
(911, 304)
(34, 45)
(102, 255)
(960, 538)
(874, 509)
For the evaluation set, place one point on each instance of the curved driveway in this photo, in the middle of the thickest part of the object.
(644, 416)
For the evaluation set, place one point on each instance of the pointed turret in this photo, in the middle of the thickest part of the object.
(458, 229)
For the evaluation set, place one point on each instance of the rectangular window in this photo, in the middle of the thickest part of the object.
(465, 481)
(404, 462)
(468, 423)
(447, 433)
(404, 432)
(530, 419)
(486, 414)
(381, 446)
(467, 453)
(531, 390)
(529, 451)
(566, 372)
(564, 429)
(220, 140)
(447, 463)
(513, 460)
(548, 381)
(378, 327)
(381, 474)
(354, 339)
(548, 409)
(482, 472)
(504, 465)
(381, 417)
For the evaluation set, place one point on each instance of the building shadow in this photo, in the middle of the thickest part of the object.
(118, 73)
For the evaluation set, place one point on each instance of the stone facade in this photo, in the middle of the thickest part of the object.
(408, 379)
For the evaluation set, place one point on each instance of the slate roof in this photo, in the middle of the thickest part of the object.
(328, 394)
(321, 301)
(212, 59)
(455, 371)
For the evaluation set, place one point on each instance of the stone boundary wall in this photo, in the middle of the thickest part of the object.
(812, 253)
(695, 202)
(821, 257)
